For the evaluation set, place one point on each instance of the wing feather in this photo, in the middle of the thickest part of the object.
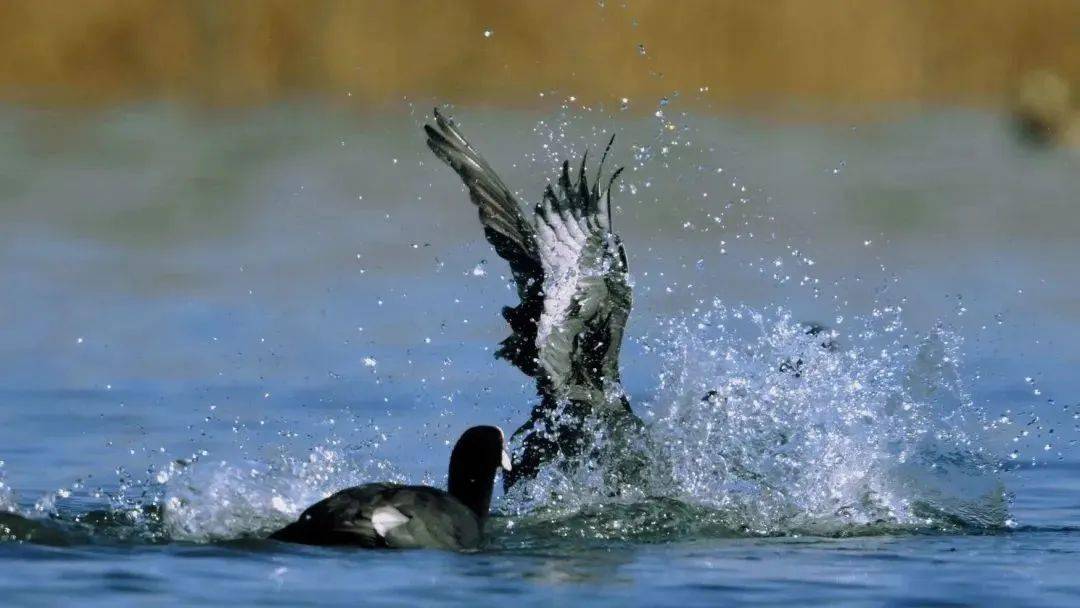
(508, 231)
(571, 275)
(569, 267)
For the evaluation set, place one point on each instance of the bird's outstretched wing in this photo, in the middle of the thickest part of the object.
(570, 270)
(508, 231)
(571, 275)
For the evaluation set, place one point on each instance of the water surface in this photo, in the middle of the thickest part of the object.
(239, 314)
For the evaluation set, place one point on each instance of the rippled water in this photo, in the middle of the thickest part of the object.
(212, 321)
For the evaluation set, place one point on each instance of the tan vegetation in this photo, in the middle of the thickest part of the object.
(222, 52)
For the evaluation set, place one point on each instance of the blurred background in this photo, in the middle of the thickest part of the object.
(230, 204)
(371, 54)
(232, 273)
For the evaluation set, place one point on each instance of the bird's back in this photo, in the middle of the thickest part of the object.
(384, 515)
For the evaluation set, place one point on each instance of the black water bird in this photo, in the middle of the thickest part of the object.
(388, 515)
(570, 270)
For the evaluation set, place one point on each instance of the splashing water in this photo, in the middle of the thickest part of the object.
(223, 501)
(766, 426)
(760, 426)
(757, 427)
(7, 497)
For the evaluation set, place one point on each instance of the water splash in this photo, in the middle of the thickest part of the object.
(7, 496)
(224, 501)
(759, 425)
(764, 425)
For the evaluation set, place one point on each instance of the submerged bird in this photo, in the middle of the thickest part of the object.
(388, 515)
(571, 275)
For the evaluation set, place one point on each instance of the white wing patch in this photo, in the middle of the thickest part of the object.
(385, 519)
(560, 245)
(562, 239)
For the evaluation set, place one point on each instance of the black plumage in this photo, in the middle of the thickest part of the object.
(387, 515)
(571, 274)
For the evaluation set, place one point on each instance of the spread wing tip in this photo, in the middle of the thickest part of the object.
(569, 219)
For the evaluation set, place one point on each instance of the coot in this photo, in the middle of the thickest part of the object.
(389, 515)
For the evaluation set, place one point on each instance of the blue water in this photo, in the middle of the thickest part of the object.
(292, 300)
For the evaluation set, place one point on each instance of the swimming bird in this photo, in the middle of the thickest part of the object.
(570, 270)
(388, 515)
